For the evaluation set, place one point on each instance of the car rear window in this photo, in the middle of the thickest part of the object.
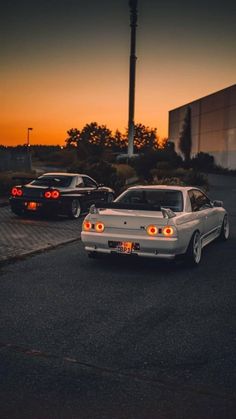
(157, 197)
(59, 181)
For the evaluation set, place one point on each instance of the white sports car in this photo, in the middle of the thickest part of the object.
(155, 221)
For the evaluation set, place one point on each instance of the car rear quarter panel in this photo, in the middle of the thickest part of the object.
(186, 224)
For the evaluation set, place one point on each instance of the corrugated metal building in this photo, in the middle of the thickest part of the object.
(213, 126)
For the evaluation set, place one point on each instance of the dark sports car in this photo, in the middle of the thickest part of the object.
(69, 194)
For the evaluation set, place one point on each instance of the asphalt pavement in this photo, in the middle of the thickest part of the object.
(120, 338)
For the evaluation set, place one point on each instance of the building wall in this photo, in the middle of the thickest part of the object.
(213, 125)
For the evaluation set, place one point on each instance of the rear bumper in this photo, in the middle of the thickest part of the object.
(153, 247)
(42, 206)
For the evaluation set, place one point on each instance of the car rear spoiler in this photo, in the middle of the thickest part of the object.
(23, 179)
(166, 212)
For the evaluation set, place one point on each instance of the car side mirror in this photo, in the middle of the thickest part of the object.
(217, 203)
(100, 185)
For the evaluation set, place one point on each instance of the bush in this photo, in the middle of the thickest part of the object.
(203, 162)
(163, 159)
(62, 158)
(125, 172)
(175, 181)
(193, 178)
(180, 176)
(167, 173)
(164, 165)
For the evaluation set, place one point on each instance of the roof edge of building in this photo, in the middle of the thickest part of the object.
(203, 97)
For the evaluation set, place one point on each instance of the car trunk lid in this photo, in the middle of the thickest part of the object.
(130, 219)
(34, 191)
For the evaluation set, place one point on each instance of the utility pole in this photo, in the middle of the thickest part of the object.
(133, 58)
(28, 136)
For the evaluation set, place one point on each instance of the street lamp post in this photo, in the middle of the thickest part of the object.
(28, 149)
(133, 58)
(28, 136)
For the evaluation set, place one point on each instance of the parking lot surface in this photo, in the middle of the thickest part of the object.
(118, 338)
(22, 236)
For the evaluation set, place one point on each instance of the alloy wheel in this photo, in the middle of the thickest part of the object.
(197, 248)
(75, 208)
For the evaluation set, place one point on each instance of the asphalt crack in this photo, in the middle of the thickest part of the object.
(34, 353)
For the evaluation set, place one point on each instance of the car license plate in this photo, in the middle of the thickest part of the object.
(125, 247)
(32, 206)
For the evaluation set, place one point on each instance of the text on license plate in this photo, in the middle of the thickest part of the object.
(125, 247)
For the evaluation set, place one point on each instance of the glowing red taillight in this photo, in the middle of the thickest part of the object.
(168, 231)
(16, 191)
(55, 194)
(99, 227)
(87, 225)
(48, 194)
(52, 194)
(19, 192)
(152, 230)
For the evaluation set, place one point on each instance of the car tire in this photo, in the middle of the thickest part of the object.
(110, 197)
(194, 251)
(75, 209)
(224, 232)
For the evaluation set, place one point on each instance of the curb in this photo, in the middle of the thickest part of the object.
(4, 204)
(23, 256)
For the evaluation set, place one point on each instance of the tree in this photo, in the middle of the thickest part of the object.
(145, 138)
(97, 140)
(73, 136)
(92, 140)
(185, 139)
(119, 142)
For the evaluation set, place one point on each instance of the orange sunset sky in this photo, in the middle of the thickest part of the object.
(66, 63)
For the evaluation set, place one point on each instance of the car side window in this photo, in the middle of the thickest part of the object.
(79, 182)
(192, 201)
(89, 183)
(201, 200)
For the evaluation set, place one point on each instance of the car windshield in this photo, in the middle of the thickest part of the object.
(59, 181)
(153, 197)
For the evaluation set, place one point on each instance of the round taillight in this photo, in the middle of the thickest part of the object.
(152, 230)
(19, 192)
(168, 231)
(99, 227)
(55, 194)
(87, 225)
(48, 194)
(14, 191)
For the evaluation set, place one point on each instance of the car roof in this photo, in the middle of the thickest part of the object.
(164, 187)
(62, 174)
